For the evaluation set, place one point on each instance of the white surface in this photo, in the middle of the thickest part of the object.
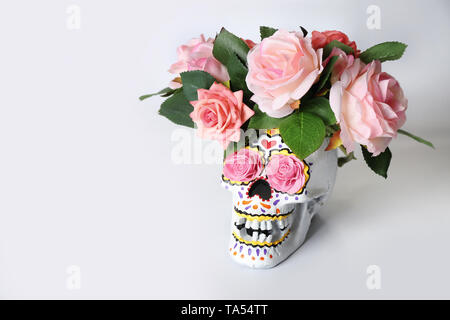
(86, 176)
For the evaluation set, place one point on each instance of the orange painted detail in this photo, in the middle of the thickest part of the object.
(238, 202)
(278, 210)
(242, 256)
(234, 253)
(262, 258)
(255, 207)
(231, 249)
(265, 205)
(246, 202)
(253, 258)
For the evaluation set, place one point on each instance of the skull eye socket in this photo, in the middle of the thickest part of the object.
(287, 173)
(243, 166)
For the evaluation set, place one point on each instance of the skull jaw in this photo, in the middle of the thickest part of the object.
(268, 257)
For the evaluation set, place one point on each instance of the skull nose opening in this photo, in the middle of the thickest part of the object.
(260, 188)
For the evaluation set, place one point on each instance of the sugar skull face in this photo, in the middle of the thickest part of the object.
(275, 196)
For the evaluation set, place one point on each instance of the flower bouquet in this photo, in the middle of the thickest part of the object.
(280, 108)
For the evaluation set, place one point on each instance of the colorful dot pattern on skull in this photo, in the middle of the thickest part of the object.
(261, 255)
(261, 206)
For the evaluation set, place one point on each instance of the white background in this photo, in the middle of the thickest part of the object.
(86, 176)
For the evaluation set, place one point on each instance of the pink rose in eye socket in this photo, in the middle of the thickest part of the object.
(286, 173)
(244, 165)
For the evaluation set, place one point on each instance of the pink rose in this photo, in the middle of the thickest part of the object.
(197, 55)
(285, 173)
(369, 106)
(281, 69)
(244, 165)
(321, 39)
(219, 114)
(343, 62)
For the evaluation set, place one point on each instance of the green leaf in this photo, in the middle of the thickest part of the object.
(320, 107)
(232, 52)
(266, 32)
(260, 120)
(418, 139)
(380, 163)
(163, 92)
(326, 73)
(177, 109)
(329, 131)
(238, 72)
(303, 132)
(384, 51)
(194, 80)
(329, 47)
(227, 44)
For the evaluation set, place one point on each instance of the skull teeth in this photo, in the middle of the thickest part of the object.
(262, 237)
(261, 231)
(263, 225)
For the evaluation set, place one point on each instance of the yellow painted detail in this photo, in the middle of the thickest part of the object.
(305, 171)
(265, 244)
(262, 218)
(272, 132)
(235, 182)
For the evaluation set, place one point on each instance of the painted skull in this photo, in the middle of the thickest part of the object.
(272, 209)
